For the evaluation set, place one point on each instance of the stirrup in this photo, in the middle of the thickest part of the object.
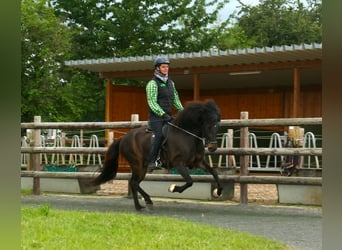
(153, 166)
(158, 163)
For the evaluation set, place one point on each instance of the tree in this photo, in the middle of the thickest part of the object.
(104, 28)
(234, 38)
(58, 30)
(281, 22)
(49, 88)
(54, 31)
(44, 42)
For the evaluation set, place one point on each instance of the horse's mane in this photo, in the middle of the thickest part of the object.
(197, 113)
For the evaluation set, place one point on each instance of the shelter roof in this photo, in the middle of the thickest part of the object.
(220, 68)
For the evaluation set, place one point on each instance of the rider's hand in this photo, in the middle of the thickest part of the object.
(167, 117)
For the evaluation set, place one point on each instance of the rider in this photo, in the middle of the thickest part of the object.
(161, 97)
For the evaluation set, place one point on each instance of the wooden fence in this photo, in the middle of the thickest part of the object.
(243, 151)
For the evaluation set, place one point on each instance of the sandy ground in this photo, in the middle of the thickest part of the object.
(257, 193)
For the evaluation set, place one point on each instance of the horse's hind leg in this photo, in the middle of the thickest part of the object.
(146, 197)
(134, 192)
(135, 188)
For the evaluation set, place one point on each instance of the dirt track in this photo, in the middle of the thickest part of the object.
(257, 193)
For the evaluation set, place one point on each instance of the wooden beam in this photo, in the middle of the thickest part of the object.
(108, 110)
(108, 99)
(35, 158)
(244, 159)
(219, 151)
(296, 93)
(224, 122)
(220, 69)
(293, 180)
(196, 87)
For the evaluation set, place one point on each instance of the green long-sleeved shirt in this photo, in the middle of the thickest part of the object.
(152, 97)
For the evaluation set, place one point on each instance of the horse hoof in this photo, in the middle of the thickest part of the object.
(149, 206)
(172, 188)
(216, 193)
(139, 208)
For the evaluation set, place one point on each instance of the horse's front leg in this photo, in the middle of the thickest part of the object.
(217, 192)
(185, 174)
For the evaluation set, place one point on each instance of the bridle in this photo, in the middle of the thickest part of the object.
(192, 134)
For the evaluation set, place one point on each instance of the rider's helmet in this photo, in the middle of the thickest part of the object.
(161, 60)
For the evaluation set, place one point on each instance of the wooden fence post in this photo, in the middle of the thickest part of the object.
(29, 135)
(230, 159)
(35, 159)
(244, 159)
(81, 143)
(134, 117)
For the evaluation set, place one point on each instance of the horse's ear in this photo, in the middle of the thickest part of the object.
(212, 107)
(210, 103)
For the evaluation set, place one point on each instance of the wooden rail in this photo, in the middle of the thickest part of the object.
(135, 124)
(219, 151)
(315, 181)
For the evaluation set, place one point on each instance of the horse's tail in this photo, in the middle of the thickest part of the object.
(111, 164)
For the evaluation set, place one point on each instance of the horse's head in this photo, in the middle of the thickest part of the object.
(202, 119)
(211, 120)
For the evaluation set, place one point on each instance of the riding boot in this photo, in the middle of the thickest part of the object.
(154, 151)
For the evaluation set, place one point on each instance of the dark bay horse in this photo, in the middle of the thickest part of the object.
(192, 129)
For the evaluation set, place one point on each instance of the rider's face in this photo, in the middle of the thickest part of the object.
(164, 69)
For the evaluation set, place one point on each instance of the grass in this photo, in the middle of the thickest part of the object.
(26, 191)
(46, 228)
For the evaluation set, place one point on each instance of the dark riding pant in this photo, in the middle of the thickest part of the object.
(156, 125)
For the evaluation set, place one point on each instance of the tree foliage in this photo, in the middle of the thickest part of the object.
(130, 28)
(235, 38)
(48, 87)
(281, 22)
(44, 44)
(58, 30)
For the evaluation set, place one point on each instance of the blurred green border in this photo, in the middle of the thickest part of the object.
(10, 124)
(332, 121)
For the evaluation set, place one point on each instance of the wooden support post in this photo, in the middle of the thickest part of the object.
(109, 89)
(196, 87)
(244, 159)
(35, 157)
(296, 93)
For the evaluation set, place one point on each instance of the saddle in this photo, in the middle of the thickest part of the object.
(165, 131)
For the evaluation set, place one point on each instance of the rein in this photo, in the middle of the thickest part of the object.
(188, 132)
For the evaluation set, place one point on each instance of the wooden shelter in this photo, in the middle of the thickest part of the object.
(269, 82)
